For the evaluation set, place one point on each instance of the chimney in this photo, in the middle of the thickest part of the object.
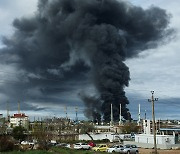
(120, 120)
(139, 115)
(111, 122)
(19, 107)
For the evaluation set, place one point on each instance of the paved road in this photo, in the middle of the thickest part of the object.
(149, 151)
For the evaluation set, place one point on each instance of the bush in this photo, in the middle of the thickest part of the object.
(43, 145)
(6, 144)
(19, 133)
(129, 128)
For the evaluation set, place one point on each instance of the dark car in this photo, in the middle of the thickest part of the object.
(65, 145)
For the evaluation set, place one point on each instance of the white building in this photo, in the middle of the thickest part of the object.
(146, 126)
(147, 141)
(160, 139)
(1, 116)
(19, 119)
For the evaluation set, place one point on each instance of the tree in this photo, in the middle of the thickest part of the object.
(85, 127)
(130, 127)
(19, 133)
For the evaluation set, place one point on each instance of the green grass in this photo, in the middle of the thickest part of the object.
(72, 151)
(28, 152)
(54, 150)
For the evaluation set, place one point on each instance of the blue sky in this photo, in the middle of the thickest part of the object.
(155, 69)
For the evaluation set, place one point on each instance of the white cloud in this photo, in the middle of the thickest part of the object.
(159, 69)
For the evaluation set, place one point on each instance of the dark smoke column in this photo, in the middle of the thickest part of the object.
(110, 73)
(113, 77)
(117, 31)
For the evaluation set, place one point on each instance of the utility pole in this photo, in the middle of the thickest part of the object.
(65, 108)
(156, 121)
(159, 124)
(153, 119)
(8, 111)
(76, 110)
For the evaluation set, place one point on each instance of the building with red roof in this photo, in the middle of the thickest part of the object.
(19, 119)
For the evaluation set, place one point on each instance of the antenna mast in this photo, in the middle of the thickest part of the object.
(76, 110)
(19, 107)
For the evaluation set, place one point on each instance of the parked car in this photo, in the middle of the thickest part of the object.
(65, 145)
(82, 146)
(92, 144)
(115, 148)
(27, 143)
(51, 144)
(24, 142)
(100, 147)
(130, 149)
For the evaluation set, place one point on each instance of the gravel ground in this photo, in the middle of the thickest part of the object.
(149, 151)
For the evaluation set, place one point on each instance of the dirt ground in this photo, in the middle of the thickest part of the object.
(149, 151)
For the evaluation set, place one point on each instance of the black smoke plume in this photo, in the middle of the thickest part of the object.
(85, 40)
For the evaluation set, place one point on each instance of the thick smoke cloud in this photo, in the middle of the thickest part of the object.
(83, 40)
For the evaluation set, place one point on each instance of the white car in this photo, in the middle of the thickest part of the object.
(24, 142)
(115, 148)
(82, 146)
(27, 143)
(130, 149)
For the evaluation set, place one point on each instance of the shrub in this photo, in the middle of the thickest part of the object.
(19, 133)
(6, 144)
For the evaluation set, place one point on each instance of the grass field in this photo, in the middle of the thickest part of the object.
(54, 150)
(28, 152)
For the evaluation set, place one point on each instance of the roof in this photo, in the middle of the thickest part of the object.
(169, 129)
(102, 127)
(19, 115)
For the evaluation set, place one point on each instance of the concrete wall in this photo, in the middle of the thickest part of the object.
(147, 141)
(149, 138)
(101, 136)
(150, 146)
